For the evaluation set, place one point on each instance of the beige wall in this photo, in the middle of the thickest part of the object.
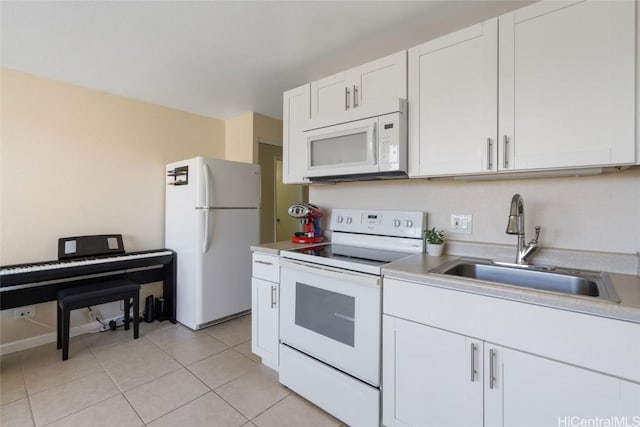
(597, 213)
(265, 127)
(75, 161)
(243, 133)
(239, 139)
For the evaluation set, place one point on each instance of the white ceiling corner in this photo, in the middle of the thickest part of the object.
(218, 58)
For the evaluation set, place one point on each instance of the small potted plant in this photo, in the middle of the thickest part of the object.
(435, 241)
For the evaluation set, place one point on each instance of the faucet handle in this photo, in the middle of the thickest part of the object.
(535, 239)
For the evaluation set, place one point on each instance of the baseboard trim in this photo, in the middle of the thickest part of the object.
(31, 342)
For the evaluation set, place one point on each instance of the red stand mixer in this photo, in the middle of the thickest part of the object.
(309, 215)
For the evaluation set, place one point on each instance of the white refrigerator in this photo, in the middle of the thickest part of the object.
(212, 210)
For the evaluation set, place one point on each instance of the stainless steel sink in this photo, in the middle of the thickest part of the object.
(581, 283)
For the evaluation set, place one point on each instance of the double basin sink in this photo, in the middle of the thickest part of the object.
(580, 283)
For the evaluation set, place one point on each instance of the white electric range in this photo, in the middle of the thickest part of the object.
(330, 310)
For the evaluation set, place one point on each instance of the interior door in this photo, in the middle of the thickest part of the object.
(286, 195)
(224, 269)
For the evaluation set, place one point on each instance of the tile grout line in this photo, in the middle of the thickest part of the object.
(95, 350)
(80, 410)
(133, 408)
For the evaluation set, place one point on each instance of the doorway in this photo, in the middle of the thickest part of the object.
(276, 197)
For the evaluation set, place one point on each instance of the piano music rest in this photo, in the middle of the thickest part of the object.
(97, 293)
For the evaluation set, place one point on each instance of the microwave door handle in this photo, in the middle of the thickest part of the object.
(373, 146)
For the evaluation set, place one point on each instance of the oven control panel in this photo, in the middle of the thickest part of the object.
(379, 222)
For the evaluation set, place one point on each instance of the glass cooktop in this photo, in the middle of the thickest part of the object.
(344, 256)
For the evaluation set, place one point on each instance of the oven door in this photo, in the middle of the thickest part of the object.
(332, 315)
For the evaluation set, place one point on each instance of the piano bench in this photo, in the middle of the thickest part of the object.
(98, 293)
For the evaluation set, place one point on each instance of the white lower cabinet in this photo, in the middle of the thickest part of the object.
(436, 375)
(427, 376)
(528, 390)
(265, 297)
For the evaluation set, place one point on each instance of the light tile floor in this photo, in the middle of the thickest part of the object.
(170, 376)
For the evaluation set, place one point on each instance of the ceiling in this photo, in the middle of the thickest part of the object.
(218, 58)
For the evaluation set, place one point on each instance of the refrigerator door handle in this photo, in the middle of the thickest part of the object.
(205, 237)
(208, 202)
(207, 207)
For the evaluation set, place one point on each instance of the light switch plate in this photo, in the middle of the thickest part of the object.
(461, 223)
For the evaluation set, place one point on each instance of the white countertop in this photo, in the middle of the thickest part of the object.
(416, 269)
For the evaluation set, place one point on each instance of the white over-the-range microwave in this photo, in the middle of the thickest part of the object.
(365, 145)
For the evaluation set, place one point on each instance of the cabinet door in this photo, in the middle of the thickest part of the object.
(264, 321)
(366, 85)
(567, 84)
(331, 96)
(379, 81)
(427, 376)
(453, 102)
(533, 391)
(296, 112)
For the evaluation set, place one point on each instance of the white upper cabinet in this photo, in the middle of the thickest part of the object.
(453, 103)
(549, 86)
(366, 85)
(567, 85)
(331, 95)
(296, 112)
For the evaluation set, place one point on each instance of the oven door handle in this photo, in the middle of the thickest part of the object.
(336, 273)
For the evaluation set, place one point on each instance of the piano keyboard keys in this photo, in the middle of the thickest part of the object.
(30, 268)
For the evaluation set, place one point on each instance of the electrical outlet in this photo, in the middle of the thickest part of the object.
(461, 223)
(22, 312)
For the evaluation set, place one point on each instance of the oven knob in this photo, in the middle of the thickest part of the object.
(396, 223)
(349, 220)
(340, 219)
(409, 223)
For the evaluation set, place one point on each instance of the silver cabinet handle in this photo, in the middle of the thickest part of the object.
(505, 162)
(492, 376)
(273, 296)
(263, 262)
(473, 362)
(355, 96)
(489, 163)
(347, 95)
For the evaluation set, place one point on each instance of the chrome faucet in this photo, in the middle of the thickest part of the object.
(516, 226)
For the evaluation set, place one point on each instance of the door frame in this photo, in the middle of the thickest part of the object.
(275, 184)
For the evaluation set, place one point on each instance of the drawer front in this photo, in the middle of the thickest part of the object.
(266, 267)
